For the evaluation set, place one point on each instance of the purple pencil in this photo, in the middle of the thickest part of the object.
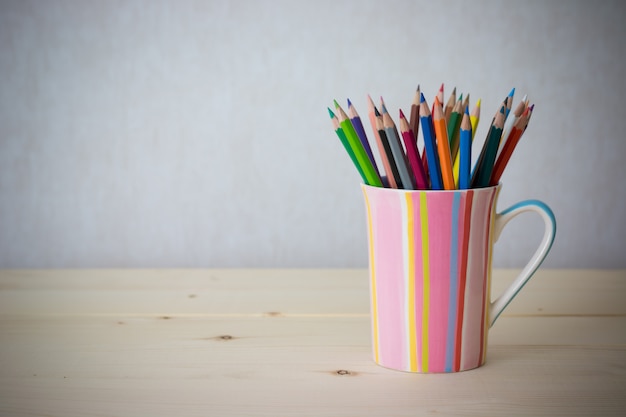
(360, 131)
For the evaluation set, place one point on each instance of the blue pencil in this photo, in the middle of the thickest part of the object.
(430, 146)
(465, 151)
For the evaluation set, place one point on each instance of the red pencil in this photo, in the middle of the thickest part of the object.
(413, 154)
(516, 133)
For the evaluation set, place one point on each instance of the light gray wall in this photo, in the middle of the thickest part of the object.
(195, 133)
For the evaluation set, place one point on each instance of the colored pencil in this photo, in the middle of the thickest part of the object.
(372, 177)
(387, 166)
(466, 101)
(517, 131)
(414, 118)
(465, 151)
(447, 111)
(443, 147)
(453, 127)
(482, 173)
(344, 142)
(393, 175)
(396, 148)
(430, 146)
(475, 118)
(360, 131)
(519, 109)
(481, 156)
(438, 96)
(415, 162)
(509, 103)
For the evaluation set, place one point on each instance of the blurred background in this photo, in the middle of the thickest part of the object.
(153, 133)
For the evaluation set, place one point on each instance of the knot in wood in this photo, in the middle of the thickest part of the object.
(343, 372)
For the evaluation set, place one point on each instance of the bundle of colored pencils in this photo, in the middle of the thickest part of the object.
(445, 160)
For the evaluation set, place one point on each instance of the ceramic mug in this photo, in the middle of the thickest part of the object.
(430, 274)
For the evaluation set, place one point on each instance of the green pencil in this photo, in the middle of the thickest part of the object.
(370, 174)
(454, 126)
(344, 142)
(483, 172)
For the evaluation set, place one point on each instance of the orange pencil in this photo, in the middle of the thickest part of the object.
(443, 147)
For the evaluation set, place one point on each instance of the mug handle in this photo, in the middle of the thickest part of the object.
(501, 220)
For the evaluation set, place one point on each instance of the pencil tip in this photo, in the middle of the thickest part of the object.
(461, 97)
(401, 114)
(512, 93)
(376, 112)
(478, 103)
(349, 103)
(418, 88)
(454, 90)
(467, 110)
(532, 107)
(422, 99)
(330, 112)
(441, 88)
(336, 104)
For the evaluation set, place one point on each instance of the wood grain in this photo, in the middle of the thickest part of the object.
(291, 343)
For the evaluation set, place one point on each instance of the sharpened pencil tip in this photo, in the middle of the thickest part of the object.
(422, 98)
(441, 88)
(336, 104)
(401, 114)
(376, 112)
(478, 103)
(330, 112)
(383, 108)
(512, 93)
(467, 110)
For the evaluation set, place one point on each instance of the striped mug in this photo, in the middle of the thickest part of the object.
(430, 274)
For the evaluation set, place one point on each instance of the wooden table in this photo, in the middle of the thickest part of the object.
(291, 342)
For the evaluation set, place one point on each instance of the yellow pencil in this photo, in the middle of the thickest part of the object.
(475, 117)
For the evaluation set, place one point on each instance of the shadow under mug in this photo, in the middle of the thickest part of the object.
(430, 255)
